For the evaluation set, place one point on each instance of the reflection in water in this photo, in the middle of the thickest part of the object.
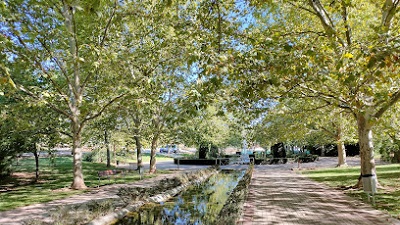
(198, 205)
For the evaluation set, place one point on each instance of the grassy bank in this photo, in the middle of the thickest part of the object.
(55, 179)
(388, 196)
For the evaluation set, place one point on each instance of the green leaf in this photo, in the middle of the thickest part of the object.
(288, 47)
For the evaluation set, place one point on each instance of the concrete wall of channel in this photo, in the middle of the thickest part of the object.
(233, 207)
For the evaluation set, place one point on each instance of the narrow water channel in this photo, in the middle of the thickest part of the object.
(200, 204)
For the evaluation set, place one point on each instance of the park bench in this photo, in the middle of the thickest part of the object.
(108, 174)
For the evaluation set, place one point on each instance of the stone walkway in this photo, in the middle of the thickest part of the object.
(279, 196)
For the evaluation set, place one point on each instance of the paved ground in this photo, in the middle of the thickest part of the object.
(277, 195)
(283, 197)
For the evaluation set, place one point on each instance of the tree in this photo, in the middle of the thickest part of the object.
(100, 131)
(158, 46)
(131, 116)
(10, 144)
(134, 123)
(341, 52)
(211, 125)
(25, 129)
(66, 46)
(36, 132)
(297, 120)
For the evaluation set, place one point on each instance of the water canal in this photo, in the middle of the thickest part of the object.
(198, 205)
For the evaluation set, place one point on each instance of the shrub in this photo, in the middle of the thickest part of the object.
(208, 150)
(5, 166)
(96, 155)
(386, 147)
(304, 157)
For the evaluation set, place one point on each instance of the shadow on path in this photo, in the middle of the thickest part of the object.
(281, 196)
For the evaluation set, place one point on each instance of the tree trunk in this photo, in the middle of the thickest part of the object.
(341, 149)
(396, 158)
(76, 95)
(366, 146)
(322, 150)
(138, 152)
(137, 120)
(36, 154)
(107, 147)
(114, 154)
(153, 154)
(78, 182)
(341, 154)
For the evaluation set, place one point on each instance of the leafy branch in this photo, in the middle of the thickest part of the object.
(102, 109)
(35, 96)
(395, 98)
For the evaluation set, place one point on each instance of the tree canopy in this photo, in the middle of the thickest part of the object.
(155, 67)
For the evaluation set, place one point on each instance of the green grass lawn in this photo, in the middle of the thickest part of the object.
(388, 197)
(54, 181)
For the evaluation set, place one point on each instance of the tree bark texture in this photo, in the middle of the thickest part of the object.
(76, 95)
(78, 181)
(106, 142)
(36, 154)
(341, 148)
(322, 150)
(138, 152)
(153, 154)
(366, 146)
